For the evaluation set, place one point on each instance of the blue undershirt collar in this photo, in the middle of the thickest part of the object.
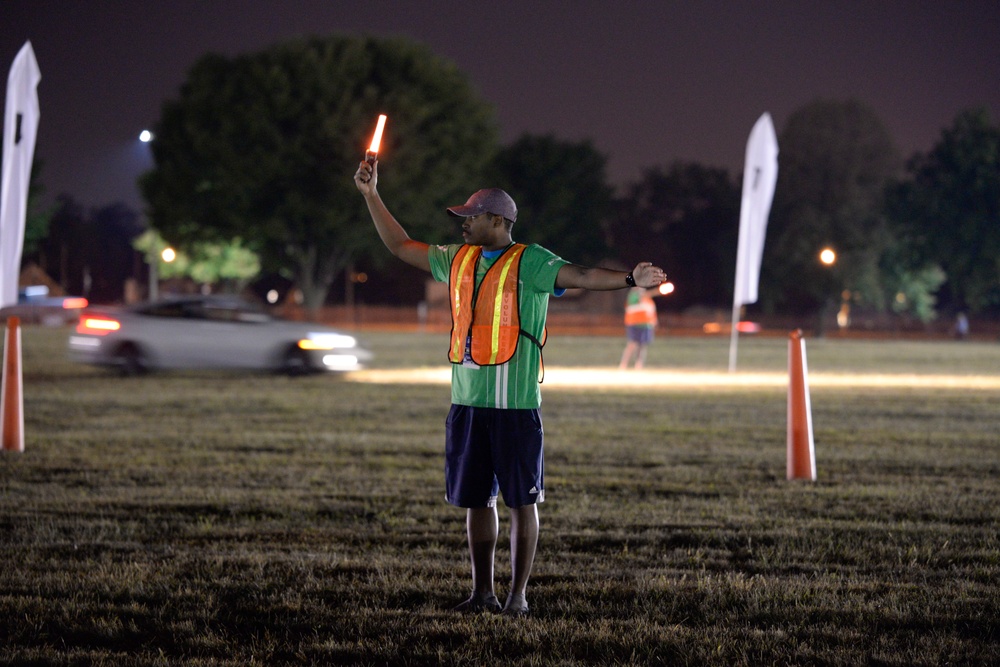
(493, 254)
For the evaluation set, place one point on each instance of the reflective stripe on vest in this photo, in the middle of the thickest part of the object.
(493, 314)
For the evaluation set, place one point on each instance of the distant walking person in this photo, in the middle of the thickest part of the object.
(499, 293)
(962, 326)
(640, 323)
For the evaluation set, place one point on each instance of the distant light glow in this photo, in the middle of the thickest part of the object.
(742, 327)
(827, 256)
(168, 254)
(272, 296)
(145, 136)
(72, 302)
(666, 288)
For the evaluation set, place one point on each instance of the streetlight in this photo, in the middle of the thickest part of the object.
(827, 257)
(145, 136)
(168, 255)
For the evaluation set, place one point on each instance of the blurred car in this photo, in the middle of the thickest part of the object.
(35, 306)
(209, 332)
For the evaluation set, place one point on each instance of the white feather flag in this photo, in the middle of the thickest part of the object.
(20, 126)
(759, 176)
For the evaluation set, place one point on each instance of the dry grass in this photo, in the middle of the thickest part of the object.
(208, 519)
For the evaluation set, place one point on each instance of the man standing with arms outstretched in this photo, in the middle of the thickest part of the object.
(499, 293)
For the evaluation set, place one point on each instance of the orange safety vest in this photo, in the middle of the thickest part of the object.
(641, 313)
(494, 318)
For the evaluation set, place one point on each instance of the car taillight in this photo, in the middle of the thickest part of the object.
(97, 326)
(72, 302)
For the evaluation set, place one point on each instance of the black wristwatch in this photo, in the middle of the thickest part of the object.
(630, 279)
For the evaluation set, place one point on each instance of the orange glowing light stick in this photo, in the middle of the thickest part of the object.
(372, 151)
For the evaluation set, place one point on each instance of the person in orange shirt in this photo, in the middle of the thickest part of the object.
(640, 322)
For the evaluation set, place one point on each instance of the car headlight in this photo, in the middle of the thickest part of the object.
(327, 341)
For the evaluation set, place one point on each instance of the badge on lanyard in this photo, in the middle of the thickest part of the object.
(467, 360)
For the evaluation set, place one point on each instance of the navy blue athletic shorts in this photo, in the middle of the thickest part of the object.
(642, 335)
(489, 450)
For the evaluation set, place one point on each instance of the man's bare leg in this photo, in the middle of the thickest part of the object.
(523, 542)
(481, 527)
(630, 348)
(640, 357)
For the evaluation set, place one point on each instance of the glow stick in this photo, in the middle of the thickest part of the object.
(372, 152)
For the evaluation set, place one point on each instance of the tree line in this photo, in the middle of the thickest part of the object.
(259, 149)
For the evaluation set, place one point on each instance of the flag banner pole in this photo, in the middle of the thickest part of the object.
(734, 336)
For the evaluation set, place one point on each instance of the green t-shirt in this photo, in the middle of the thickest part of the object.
(512, 385)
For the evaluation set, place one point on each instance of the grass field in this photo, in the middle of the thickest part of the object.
(210, 519)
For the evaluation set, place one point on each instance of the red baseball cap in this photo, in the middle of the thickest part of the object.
(489, 200)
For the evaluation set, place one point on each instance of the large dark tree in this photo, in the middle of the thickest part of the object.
(37, 217)
(562, 194)
(59, 253)
(949, 210)
(685, 218)
(835, 161)
(90, 253)
(263, 147)
(108, 253)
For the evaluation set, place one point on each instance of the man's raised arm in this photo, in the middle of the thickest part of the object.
(389, 230)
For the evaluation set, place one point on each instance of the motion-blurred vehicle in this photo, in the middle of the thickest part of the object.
(209, 332)
(35, 306)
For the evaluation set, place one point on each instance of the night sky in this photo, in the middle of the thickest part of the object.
(648, 82)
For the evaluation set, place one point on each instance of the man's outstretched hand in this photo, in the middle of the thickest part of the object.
(647, 275)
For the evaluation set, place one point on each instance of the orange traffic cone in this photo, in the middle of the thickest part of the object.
(11, 401)
(801, 450)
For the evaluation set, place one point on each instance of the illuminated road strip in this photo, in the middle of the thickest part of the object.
(608, 378)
